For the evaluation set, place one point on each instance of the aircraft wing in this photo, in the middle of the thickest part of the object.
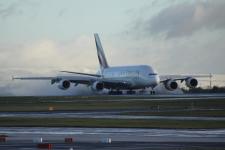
(79, 73)
(74, 79)
(83, 79)
(33, 78)
(164, 78)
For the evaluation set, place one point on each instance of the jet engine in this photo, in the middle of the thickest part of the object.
(97, 86)
(171, 85)
(191, 82)
(64, 84)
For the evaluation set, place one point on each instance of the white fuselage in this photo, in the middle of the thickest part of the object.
(141, 76)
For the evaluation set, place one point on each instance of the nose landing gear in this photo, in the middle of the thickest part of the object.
(152, 92)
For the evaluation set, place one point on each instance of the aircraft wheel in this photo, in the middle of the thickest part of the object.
(115, 93)
(130, 92)
(152, 92)
(119, 92)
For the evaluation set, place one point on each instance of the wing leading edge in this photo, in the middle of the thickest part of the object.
(83, 79)
(164, 78)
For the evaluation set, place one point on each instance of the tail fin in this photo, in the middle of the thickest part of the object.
(101, 56)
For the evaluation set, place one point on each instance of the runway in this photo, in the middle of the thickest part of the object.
(22, 138)
(117, 134)
(98, 115)
(121, 138)
(147, 97)
(118, 146)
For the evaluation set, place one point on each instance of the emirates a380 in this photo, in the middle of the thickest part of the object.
(119, 78)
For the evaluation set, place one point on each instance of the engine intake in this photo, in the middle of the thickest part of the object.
(97, 86)
(191, 82)
(171, 85)
(64, 84)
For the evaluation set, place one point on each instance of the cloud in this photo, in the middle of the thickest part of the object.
(48, 54)
(201, 53)
(184, 37)
(184, 19)
(62, 12)
(16, 7)
(45, 58)
(10, 10)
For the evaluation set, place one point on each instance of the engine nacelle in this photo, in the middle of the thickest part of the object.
(171, 85)
(191, 82)
(97, 86)
(64, 84)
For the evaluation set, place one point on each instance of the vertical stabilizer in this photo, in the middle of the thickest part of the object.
(101, 55)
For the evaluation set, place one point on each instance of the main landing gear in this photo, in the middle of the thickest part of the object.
(117, 92)
(131, 92)
(152, 92)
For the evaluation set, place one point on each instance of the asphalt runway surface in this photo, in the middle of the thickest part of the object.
(118, 146)
(98, 115)
(147, 97)
(178, 96)
(121, 138)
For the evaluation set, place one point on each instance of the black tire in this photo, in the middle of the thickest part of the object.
(131, 92)
(115, 93)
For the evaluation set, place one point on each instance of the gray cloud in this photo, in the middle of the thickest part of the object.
(202, 52)
(62, 12)
(182, 38)
(45, 58)
(16, 7)
(6, 11)
(184, 19)
(50, 55)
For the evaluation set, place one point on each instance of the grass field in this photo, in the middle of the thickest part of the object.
(128, 123)
(104, 103)
(195, 107)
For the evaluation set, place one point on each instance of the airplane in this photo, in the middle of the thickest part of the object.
(118, 78)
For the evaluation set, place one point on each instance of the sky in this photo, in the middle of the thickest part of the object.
(43, 37)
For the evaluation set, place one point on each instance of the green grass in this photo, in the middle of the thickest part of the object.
(103, 103)
(130, 123)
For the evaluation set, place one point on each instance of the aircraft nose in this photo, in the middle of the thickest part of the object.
(155, 81)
